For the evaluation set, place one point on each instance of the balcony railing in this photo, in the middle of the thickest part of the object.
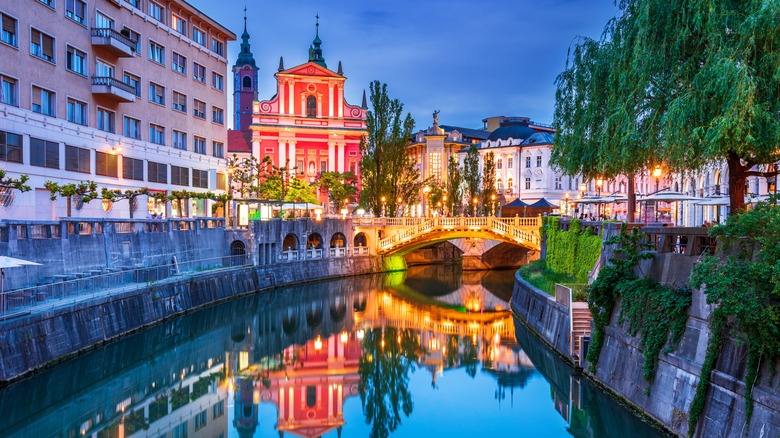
(113, 41)
(113, 88)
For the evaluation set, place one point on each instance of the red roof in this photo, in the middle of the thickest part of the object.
(239, 142)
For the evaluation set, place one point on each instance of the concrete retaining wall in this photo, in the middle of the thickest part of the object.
(41, 339)
(548, 318)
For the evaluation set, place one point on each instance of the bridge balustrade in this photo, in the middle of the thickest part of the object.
(337, 252)
(288, 256)
(314, 253)
(360, 251)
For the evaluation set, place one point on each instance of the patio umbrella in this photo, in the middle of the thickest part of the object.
(715, 200)
(10, 262)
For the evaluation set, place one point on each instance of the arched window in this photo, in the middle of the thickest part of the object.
(509, 185)
(311, 106)
(247, 83)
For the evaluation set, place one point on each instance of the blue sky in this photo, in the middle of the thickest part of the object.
(470, 59)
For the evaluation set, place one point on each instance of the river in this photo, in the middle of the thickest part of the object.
(429, 352)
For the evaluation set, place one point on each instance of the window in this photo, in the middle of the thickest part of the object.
(179, 24)
(499, 185)
(199, 72)
(77, 112)
(499, 163)
(200, 420)
(180, 176)
(41, 45)
(200, 178)
(217, 81)
(527, 161)
(199, 145)
(133, 81)
(198, 36)
(10, 147)
(179, 102)
(76, 61)
(156, 134)
(134, 3)
(157, 172)
(247, 85)
(435, 165)
(180, 140)
(49, 3)
(217, 46)
(218, 149)
(527, 183)
(538, 161)
(509, 162)
(157, 12)
(43, 101)
(558, 184)
(323, 166)
(8, 90)
(132, 168)
(156, 93)
(180, 431)
(199, 109)
(105, 120)
(44, 153)
(74, 9)
(221, 185)
(218, 410)
(217, 115)
(132, 128)
(106, 164)
(103, 22)
(9, 33)
(156, 53)
(179, 63)
(76, 159)
(134, 37)
(509, 185)
(103, 70)
(311, 106)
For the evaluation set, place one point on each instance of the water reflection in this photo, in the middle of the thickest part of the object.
(305, 352)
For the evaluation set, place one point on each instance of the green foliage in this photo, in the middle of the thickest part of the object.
(341, 187)
(471, 175)
(386, 169)
(543, 278)
(452, 190)
(488, 182)
(14, 183)
(573, 252)
(744, 283)
(655, 312)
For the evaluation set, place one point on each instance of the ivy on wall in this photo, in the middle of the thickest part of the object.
(573, 252)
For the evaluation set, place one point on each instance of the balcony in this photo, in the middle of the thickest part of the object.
(113, 89)
(113, 41)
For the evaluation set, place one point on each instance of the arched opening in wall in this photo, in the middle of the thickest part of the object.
(314, 315)
(290, 242)
(338, 309)
(360, 240)
(237, 253)
(717, 182)
(247, 83)
(238, 332)
(338, 241)
(311, 106)
(314, 241)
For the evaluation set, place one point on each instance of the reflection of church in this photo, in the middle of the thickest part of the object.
(307, 124)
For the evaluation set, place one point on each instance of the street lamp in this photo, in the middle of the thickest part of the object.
(384, 200)
(474, 201)
(599, 183)
(657, 175)
(398, 203)
(566, 203)
(444, 198)
(493, 203)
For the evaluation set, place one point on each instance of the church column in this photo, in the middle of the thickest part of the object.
(330, 401)
(256, 148)
(281, 403)
(319, 105)
(330, 100)
(291, 89)
(291, 412)
(281, 97)
(282, 153)
(340, 400)
(293, 160)
(340, 101)
(342, 157)
(331, 156)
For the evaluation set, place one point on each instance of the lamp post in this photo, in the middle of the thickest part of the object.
(657, 175)
(493, 203)
(583, 189)
(566, 201)
(384, 200)
(444, 198)
(426, 190)
(474, 201)
(599, 183)
(398, 203)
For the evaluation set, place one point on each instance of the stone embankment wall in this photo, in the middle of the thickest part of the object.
(40, 339)
(668, 398)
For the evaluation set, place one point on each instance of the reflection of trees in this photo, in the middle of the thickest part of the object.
(388, 356)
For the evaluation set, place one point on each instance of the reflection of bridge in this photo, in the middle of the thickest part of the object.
(404, 235)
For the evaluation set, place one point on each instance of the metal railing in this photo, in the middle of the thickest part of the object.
(70, 290)
(106, 32)
(113, 82)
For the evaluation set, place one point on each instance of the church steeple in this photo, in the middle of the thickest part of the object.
(315, 51)
(245, 57)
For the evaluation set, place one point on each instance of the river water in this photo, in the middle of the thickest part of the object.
(430, 352)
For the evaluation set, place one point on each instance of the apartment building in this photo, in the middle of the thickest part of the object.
(126, 93)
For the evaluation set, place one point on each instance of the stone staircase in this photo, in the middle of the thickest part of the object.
(580, 326)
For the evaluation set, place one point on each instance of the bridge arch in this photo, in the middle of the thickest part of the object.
(290, 242)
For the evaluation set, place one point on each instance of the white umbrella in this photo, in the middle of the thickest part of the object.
(10, 262)
(715, 200)
(668, 196)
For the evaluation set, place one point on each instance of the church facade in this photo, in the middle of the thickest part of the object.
(307, 125)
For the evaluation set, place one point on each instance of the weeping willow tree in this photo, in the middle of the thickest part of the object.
(678, 83)
(386, 170)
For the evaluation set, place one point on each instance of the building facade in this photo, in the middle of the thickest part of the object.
(128, 94)
(307, 125)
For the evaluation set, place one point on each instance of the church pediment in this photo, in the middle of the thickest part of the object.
(310, 69)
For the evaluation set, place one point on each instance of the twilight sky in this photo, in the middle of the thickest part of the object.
(471, 59)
